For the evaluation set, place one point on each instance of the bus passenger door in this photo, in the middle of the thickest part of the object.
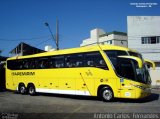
(127, 73)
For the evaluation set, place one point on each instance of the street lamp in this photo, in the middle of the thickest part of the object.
(56, 40)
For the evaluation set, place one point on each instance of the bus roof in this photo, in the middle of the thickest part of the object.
(75, 50)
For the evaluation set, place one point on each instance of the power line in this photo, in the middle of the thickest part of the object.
(26, 39)
(42, 42)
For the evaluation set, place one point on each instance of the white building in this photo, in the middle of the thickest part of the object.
(101, 37)
(144, 36)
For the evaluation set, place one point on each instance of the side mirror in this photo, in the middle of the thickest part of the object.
(150, 63)
(148, 66)
(138, 60)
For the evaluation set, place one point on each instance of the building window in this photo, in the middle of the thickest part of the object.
(142, 41)
(110, 41)
(150, 40)
(158, 39)
(153, 40)
(157, 64)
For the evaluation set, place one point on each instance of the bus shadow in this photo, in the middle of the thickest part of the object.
(152, 97)
(2, 90)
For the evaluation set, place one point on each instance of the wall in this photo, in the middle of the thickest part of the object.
(155, 75)
(144, 26)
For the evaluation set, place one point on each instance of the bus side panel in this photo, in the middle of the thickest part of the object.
(9, 80)
(47, 81)
(60, 81)
(81, 84)
(15, 77)
(73, 81)
(67, 81)
(29, 77)
(85, 82)
(106, 78)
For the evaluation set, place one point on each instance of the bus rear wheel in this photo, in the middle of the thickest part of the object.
(106, 94)
(31, 90)
(22, 89)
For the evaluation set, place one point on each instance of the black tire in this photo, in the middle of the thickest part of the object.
(32, 90)
(106, 94)
(22, 89)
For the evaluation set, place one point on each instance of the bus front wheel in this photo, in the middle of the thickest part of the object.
(106, 94)
(32, 90)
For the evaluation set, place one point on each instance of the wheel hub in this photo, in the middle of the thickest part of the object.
(107, 95)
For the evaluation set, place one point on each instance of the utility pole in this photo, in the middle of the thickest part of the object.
(57, 36)
(0, 52)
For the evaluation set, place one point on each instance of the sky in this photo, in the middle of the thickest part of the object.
(23, 20)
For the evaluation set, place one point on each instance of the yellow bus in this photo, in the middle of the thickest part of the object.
(101, 70)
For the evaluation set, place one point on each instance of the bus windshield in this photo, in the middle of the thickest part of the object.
(128, 68)
(143, 75)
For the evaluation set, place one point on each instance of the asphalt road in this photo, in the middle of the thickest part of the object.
(66, 106)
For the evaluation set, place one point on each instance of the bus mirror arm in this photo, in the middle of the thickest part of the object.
(150, 63)
(133, 58)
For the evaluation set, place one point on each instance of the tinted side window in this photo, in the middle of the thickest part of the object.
(42, 63)
(14, 64)
(74, 60)
(26, 64)
(95, 60)
(36, 63)
(113, 55)
(57, 62)
(19, 64)
(10, 64)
